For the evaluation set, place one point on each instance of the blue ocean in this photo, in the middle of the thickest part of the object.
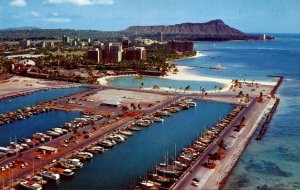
(274, 162)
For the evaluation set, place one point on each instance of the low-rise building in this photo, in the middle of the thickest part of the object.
(143, 42)
(47, 149)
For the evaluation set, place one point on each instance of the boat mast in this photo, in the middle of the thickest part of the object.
(174, 158)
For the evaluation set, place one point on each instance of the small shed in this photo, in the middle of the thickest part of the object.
(48, 149)
(26, 62)
(111, 103)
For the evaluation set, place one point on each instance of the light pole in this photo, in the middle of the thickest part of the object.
(33, 165)
(2, 180)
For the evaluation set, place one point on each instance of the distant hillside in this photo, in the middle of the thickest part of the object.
(214, 27)
(22, 28)
(215, 30)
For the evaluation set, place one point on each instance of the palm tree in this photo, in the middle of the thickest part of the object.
(216, 88)
(247, 98)
(241, 94)
(203, 90)
(187, 88)
(142, 84)
(132, 106)
(124, 108)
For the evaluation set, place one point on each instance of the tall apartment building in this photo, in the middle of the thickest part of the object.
(24, 43)
(112, 52)
(181, 46)
(65, 39)
(160, 36)
(95, 55)
(138, 53)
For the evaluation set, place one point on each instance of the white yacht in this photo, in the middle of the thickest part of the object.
(50, 175)
(75, 162)
(127, 133)
(158, 119)
(88, 154)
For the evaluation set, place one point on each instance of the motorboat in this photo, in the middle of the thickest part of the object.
(158, 119)
(88, 154)
(31, 185)
(50, 175)
(134, 128)
(126, 133)
(117, 138)
(64, 172)
(75, 162)
(39, 180)
(107, 143)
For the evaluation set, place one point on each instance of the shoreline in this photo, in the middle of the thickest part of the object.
(184, 74)
(27, 85)
(198, 54)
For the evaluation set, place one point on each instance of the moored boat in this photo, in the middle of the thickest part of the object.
(31, 185)
(50, 175)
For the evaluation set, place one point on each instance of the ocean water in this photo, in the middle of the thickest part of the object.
(116, 168)
(274, 162)
(37, 123)
(132, 82)
(251, 60)
(34, 98)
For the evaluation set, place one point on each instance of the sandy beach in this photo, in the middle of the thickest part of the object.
(18, 84)
(184, 73)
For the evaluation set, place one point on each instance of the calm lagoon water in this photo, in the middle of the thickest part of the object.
(274, 162)
(37, 123)
(132, 82)
(34, 98)
(116, 168)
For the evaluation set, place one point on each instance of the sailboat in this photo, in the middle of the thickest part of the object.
(165, 168)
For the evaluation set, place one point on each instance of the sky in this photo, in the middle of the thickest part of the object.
(269, 16)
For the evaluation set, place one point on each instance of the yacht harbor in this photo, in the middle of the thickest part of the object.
(106, 123)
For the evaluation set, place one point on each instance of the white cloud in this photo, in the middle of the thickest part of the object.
(55, 14)
(82, 2)
(58, 20)
(34, 13)
(18, 3)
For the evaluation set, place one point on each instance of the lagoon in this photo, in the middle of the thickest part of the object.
(149, 82)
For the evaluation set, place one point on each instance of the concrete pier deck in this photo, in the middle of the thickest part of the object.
(236, 142)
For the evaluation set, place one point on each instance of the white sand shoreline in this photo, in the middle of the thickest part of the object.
(184, 74)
